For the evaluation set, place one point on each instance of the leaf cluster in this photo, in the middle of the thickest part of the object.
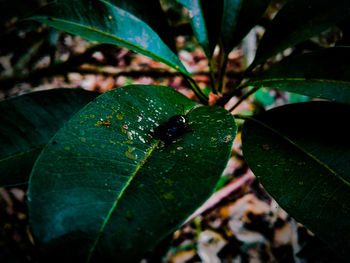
(102, 187)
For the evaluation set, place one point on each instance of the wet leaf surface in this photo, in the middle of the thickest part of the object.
(322, 74)
(28, 122)
(297, 21)
(106, 22)
(105, 188)
(300, 153)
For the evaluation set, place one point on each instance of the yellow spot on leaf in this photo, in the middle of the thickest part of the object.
(168, 196)
(129, 153)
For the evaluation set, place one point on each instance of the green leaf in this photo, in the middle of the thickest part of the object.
(264, 97)
(300, 153)
(105, 189)
(297, 21)
(322, 74)
(239, 17)
(27, 124)
(205, 18)
(151, 13)
(105, 22)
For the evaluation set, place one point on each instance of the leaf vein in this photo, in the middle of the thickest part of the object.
(116, 201)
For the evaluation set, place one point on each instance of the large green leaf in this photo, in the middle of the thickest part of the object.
(297, 21)
(27, 124)
(151, 13)
(205, 18)
(301, 153)
(104, 188)
(239, 16)
(106, 22)
(322, 74)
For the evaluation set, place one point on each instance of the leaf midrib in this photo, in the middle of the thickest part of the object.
(116, 201)
(289, 140)
(42, 18)
(21, 153)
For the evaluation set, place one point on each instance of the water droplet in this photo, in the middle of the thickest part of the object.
(179, 148)
(110, 17)
(130, 136)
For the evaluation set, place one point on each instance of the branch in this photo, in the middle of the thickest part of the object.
(6, 82)
(151, 72)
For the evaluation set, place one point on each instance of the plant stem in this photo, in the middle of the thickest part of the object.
(222, 62)
(222, 74)
(197, 90)
(212, 76)
(235, 89)
(243, 98)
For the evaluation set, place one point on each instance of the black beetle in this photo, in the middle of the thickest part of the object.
(172, 129)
